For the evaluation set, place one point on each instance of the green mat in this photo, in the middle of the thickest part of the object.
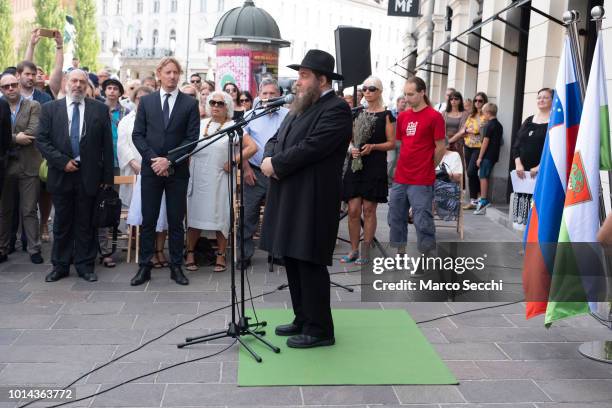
(373, 347)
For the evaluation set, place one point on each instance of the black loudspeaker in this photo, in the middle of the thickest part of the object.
(353, 54)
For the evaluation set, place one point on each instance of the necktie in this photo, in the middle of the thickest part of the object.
(166, 110)
(74, 129)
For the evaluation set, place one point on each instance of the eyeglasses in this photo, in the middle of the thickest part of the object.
(242, 100)
(196, 81)
(11, 85)
(478, 100)
(369, 88)
(214, 103)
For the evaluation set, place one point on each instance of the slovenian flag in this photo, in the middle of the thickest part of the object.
(578, 276)
(549, 195)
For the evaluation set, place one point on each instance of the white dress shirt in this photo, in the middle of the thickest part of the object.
(171, 99)
(70, 109)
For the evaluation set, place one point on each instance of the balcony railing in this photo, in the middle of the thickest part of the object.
(146, 52)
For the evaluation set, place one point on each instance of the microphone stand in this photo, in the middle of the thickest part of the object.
(237, 328)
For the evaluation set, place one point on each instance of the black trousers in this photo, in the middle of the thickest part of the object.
(74, 236)
(471, 157)
(152, 189)
(309, 289)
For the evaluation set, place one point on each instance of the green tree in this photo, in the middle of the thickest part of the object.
(87, 42)
(7, 54)
(49, 14)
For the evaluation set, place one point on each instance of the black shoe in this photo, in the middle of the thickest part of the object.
(3, 258)
(11, 247)
(143, 275)
(177, 275)
(306, 341)
(89, 277)
(290, 329)
(55, 275)
(36, 258)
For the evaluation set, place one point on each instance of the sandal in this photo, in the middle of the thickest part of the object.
(107, 261)
(163, 263)
(191, 266)
(362, 261)
(220, 267)
(44, 233)
(351, 257)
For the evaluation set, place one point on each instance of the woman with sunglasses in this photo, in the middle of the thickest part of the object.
(473, 142)
(232, 90)
(208, 190)
(455, 117)
(527, 151)
(246, 100)
(364, 188)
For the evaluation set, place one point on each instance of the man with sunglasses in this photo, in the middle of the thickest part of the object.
(196, 80)
(23, 162)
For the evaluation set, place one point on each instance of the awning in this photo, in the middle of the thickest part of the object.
(445, 47)
(398, 64)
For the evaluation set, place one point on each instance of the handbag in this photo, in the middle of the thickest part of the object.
(442, 173)
(107, 211)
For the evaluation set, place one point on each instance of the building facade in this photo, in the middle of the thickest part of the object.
(507, 49)
(135, 34)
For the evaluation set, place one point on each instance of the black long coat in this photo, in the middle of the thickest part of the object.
(303, 204)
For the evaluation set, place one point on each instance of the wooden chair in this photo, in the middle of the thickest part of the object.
(131, 230)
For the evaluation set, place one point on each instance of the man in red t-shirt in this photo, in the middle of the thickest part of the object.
(421, 130)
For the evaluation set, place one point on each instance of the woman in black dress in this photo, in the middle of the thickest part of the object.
(232, 90)
(365, 180)
(527, 151)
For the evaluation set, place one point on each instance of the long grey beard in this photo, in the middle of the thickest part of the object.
(302, 103)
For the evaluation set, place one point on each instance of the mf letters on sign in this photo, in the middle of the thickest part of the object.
(403, 8)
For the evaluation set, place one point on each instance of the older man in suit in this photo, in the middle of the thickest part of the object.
(304, 160)
(75, 138)
(23, 162)
(165, 120)
(5, 137)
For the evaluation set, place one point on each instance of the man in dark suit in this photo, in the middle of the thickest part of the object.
(165, 120)
(75, 138)
(5, 137)
(304, 160)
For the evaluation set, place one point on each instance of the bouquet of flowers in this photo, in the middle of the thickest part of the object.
(363, 127)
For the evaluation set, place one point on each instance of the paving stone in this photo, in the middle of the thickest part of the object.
(585, 334)
(205, 372)
(25, 321)
(229, 372)
(123, 371)
(94, 322)
(152, 353)
(202, 296)
(434, 335)
(211, 394)
(132, 395)
(92, 308)
(418, 394)
(58, 354)
(517, 308)
(216, 320)
(526, 405)
(27, 309)
(465, 370)
(578, 390)
(43, 373)
(12, 295)
(469, 351)
(77, 336)
(57, 296)
(541, 351)
(81, 285)
(126, 297)
(481, 320)
(503, 334)
(39, 284)
(348, 395)
(8, 336)
(574, 405)
(502, 391)
(546, 369)
(160, 308)
(519, 320)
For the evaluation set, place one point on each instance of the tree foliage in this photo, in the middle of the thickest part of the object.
(7, 54)
(87, 41)
(49, 14)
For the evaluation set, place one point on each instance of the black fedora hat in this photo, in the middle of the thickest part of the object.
(319, 61)
(113, 81)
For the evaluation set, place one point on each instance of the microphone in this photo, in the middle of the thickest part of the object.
(280, 101)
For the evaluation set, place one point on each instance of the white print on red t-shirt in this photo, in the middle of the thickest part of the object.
(411, 128)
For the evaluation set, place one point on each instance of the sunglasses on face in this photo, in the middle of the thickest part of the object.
(12, 85)
(214, 103)
(478, 100)
(242, 100)
(196, 81)
(369, 88)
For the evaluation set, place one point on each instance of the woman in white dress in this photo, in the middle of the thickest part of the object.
(208, 192)
(129, 164)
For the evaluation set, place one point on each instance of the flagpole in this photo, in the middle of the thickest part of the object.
(571, 19)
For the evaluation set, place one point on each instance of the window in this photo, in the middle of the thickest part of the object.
(220, 5)
(156, 6)
(139, 7)
(118, 10)
(155, 38)
(173, 34)
(203, 5)
(173, 6)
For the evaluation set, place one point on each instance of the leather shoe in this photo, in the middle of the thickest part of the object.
(3, 258)
(143, 275)
(36, 258)
(290, 329)
(306, 341)
(56, 275)
(89, 277)
(177, 275)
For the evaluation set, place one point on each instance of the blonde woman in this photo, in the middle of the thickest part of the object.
(366, 184)
(208, 190)
(473, 142)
